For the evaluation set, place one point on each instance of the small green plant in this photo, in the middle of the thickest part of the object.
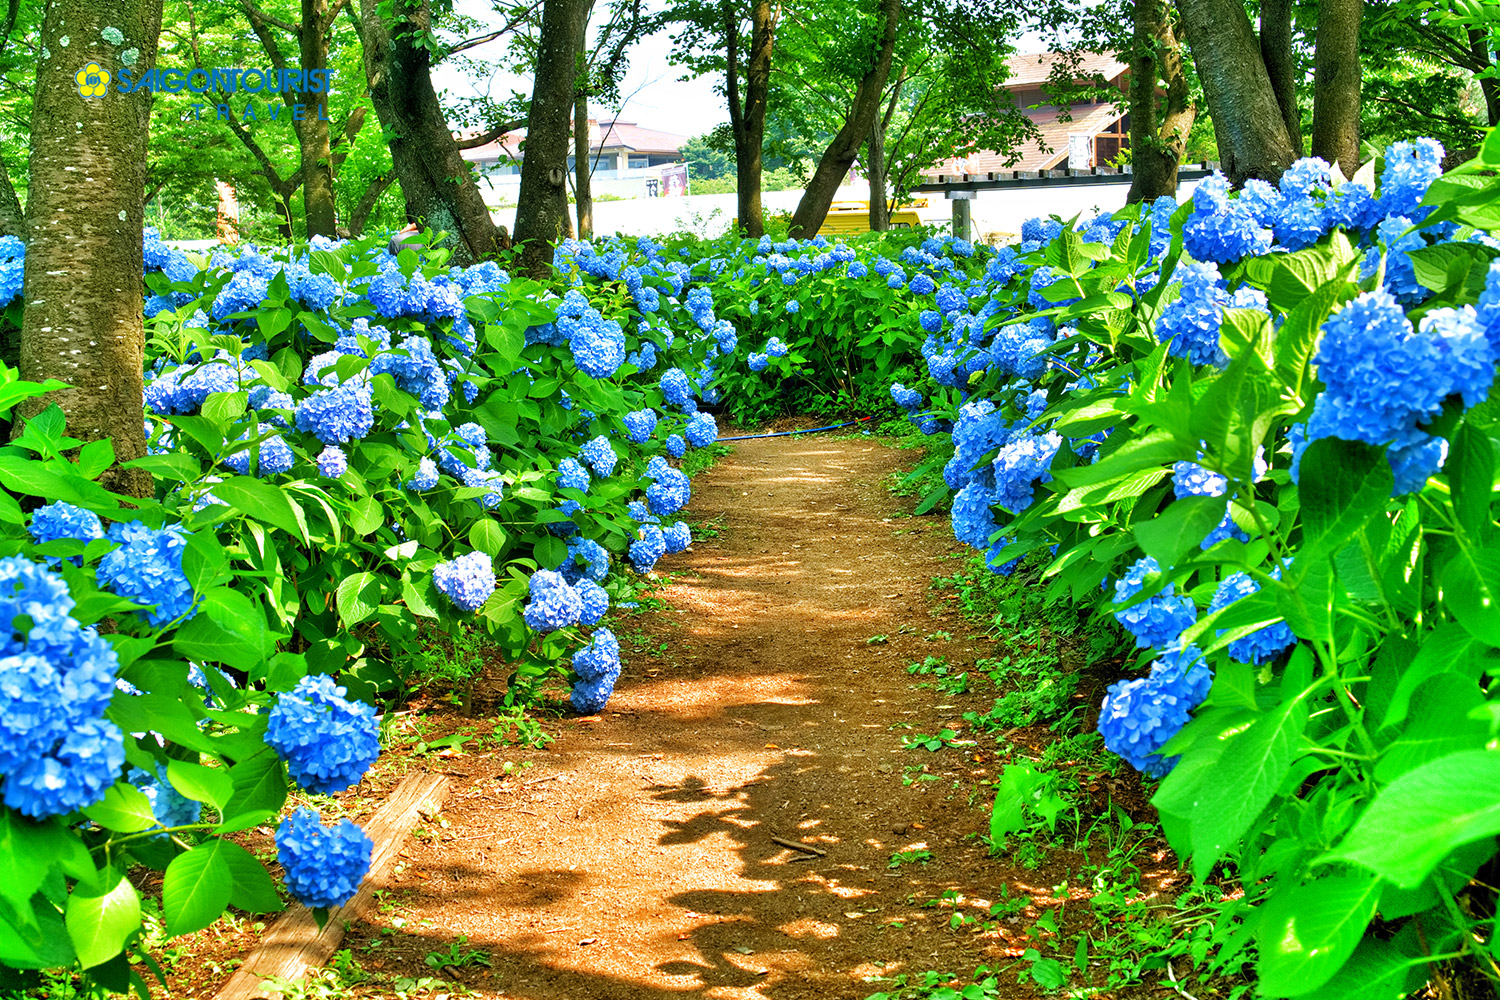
(876, 639)
(918, 856)
(458, 955)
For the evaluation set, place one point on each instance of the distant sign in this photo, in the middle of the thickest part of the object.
(674, 180)
(1080, 151)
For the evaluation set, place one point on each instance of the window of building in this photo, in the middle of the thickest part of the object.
(639, 162)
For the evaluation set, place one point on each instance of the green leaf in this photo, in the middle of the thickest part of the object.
(253, 891)
(488, 537)
(1306, 935)
(196, 888)
(358, 597)
(124, 809)
(1378, 970)
(100, 925)
(1440, 724)
(95, 457)
(1220, 800)
(1471, 474)
(1416, 820)
(366, 515)
(261, 501)
(1298, 336)
(27, 850)
(201, 784)
(1343, 485)
(1180, 528)
(259, 785)
(1471, 589)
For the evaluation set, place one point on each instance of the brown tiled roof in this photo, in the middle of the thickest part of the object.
(1087, 119)
(612, 135)
(1034, 68)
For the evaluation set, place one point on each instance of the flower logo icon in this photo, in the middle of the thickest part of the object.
(93, 81)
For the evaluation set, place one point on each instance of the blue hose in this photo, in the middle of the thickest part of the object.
(810, 430)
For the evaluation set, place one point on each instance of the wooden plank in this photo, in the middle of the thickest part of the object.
(294, 944)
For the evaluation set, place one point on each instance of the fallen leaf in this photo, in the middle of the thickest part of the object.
(743, 950)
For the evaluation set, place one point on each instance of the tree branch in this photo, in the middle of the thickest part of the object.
(256, 14)
(492, 135)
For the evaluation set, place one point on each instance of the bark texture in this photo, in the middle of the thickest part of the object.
(880, 206)
(583, 167)
(1336, 82)
(82, 322)
(542, 205)
(437, 182)
(1281, 64)
(1251, 132)
(1158, 131)
(834, 164)
(12, 216)
(747, 118)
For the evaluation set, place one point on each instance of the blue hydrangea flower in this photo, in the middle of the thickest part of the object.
(640, 425)
(600, 455)
(327, 741)
(273, 455)
(907, 399)
(678, 535)
(922, 285)
(1221, 229)
(426, 476)
(757, 362)
(793, 306)
(332, 462)
(1265, 643)
(170, 807)
(594, 601)
(676, 446)
(1139, 716)
(1021, 463)
(776, 348)
(572, 475)
(554, 602)
(467, 581)
(1410, 169)
(587, 559)
(323, 865)
(648, 548)
(701, 431)
(600, 659)
(598, 345)
(63, 520)
(973, 520)
(147, 569)
(74, 773)
(669, 494)
(675, 387)
(338, 415)
(1189, 479)
(1158, 621)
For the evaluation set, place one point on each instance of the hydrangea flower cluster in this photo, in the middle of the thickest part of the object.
(338, 415)
(273, 455)
(1265, 643)
(327, 741)
(170, 807)
(467, 581)
(1157, 621)
(147, 568)
(598, 667)
(322, 865)
(640, 425)
(1189, 479)
(57, 751)
(554, 602)
(59, 520)
(1139, 716)
(701, 431)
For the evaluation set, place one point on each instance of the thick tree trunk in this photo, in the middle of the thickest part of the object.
(12, 216)
(880, 205)
(437, 182)
(583, 166)
(312, 131)
(82, 322)
(1158, 135)
(747, 120)
(1281, 64)
(834, 165)
(1252, 136)
(1336, 84)
(542, 209)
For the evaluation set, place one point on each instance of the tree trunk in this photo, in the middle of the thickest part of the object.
(361, 214)
(312, 131)
(839, 156)
(82, 322)
(1479, 48)
(1281, 64)
(437, 182)
(583, 166)
(12, 216)
(1157, 136)
(747, 120)
(880, 205)
(1336, 84)
(1252, 135)
(542, 209)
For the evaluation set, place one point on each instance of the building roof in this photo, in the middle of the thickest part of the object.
(609, 136)
(1034, 68)
(1087, 119)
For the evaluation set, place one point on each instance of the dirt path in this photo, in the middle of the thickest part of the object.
(636, 859)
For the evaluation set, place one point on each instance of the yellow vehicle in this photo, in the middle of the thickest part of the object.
(845, 217)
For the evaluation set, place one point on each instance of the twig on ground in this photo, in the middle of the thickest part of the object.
(794, 845)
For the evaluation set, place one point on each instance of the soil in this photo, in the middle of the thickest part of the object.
(765, 701)
(636, 858)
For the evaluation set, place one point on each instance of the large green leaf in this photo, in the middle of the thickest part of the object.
(124, 809)
(253, 891)
(259, 785)
(1471, 474)
(1342, 485)
(1416, 820)
(358, 597)
(1307, 934)
(201, 784)
(1180, 528)
(1440, 724)
(196, 888)
(27, 852)
(261, 501)
(1471, 589)
(100, 925)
